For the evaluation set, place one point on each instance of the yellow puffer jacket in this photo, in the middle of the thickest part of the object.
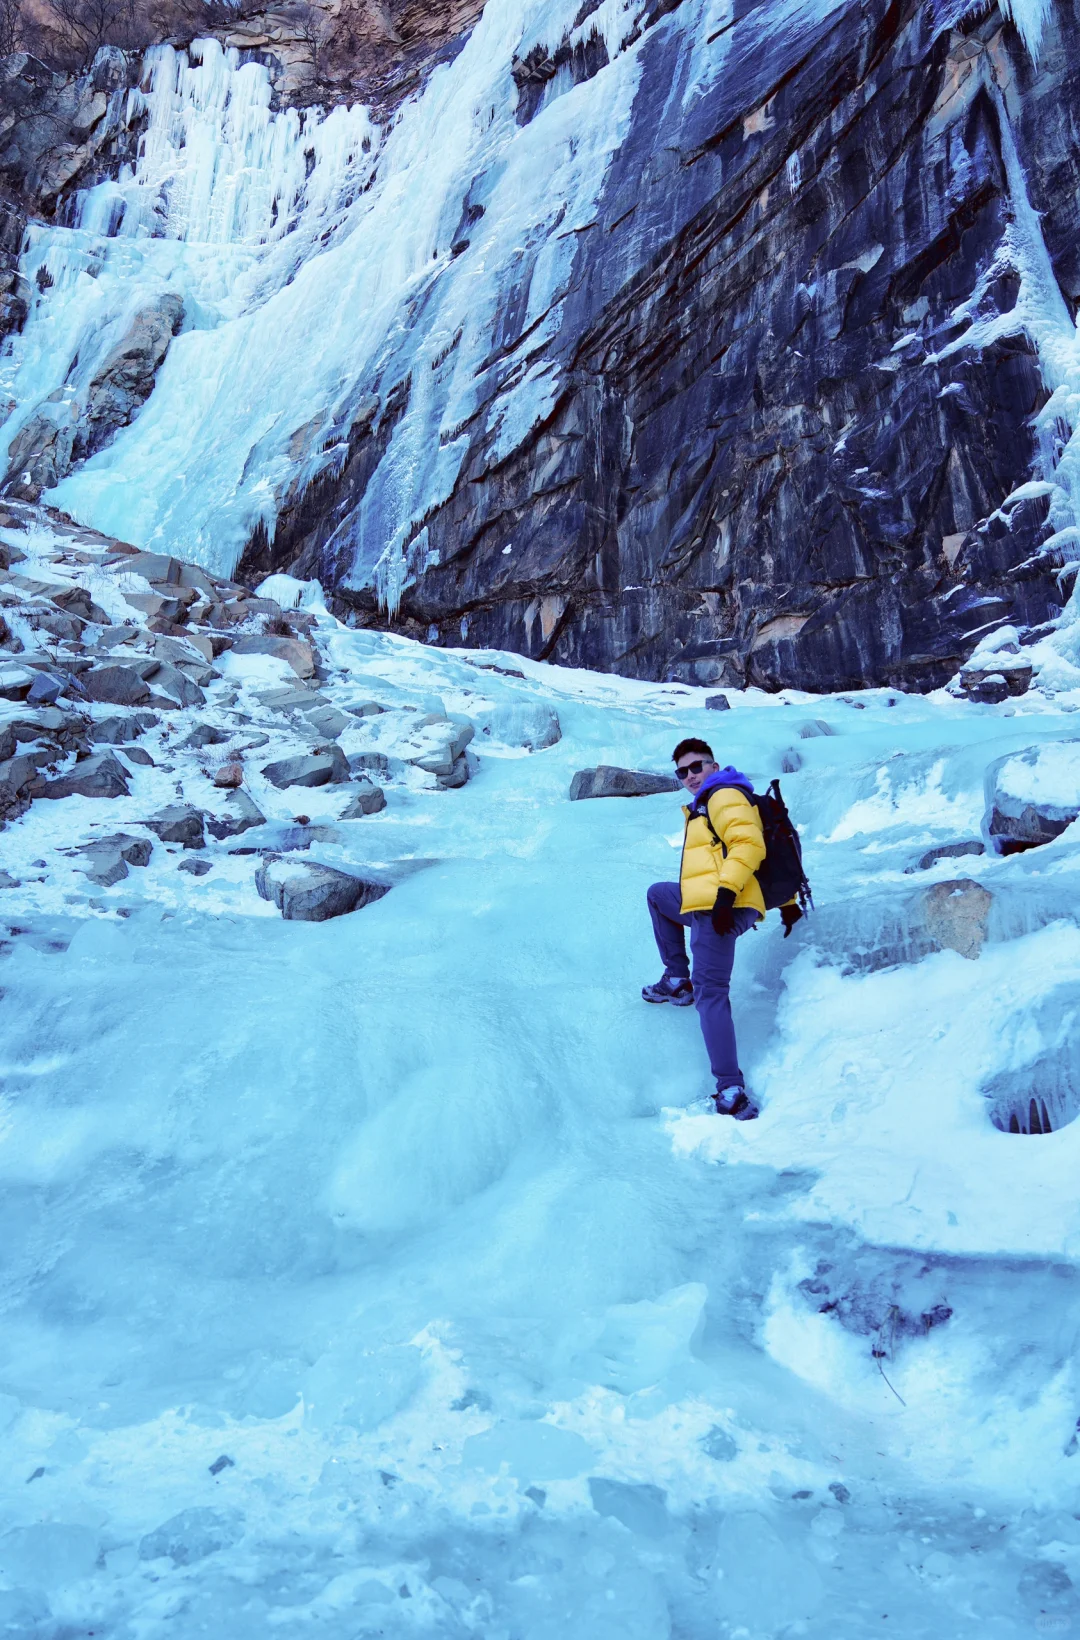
(707, 865)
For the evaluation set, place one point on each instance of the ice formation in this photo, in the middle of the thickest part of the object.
(370, 1277)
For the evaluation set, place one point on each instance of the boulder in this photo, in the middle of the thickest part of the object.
(366, 798)
(451, 736)
(118, 685)
(140, 756)
(229, 776)
(291, 699)
(947, 851)
(240, 815)
(815, 727)
(174, 688)
(458, 776)
(108, 858)
(327, 721)
(45, 690)
(204, 734)
(365, 708)
(528, 724)
(99, 775)
(717, 703)
(17, 776)
(77, 601)
(305, 891)
(178, 823)
(1031, 796)
(299, 655)
(607, 781)
(325, 766)
(15, 682)
(195, 868)
(118, 731)
(955, 916)
(987, 688)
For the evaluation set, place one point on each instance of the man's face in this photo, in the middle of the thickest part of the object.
(692, 769)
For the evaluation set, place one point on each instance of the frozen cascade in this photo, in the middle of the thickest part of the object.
(302, 296)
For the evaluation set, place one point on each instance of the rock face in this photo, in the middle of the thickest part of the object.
(61, 434)
(771, 459)
(606, 781)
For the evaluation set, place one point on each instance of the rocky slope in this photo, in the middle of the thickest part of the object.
(155, 717)
(783, 402)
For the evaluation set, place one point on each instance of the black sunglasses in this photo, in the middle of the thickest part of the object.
(688, 769)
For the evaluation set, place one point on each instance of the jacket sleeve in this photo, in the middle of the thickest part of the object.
(739, 829)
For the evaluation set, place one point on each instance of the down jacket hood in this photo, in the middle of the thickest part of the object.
(723, 777)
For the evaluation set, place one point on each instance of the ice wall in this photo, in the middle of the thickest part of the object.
(319, 260)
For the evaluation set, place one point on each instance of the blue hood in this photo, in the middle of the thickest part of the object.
(723, 777)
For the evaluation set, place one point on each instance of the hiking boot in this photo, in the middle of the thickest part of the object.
(735, 1102)
(670, 989)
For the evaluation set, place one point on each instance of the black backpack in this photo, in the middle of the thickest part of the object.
(780, 875)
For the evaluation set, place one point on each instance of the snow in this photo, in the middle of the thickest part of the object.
(404, 1215)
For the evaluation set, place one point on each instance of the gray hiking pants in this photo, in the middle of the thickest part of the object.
(713, 956)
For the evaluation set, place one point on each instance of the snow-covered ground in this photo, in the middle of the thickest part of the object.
(370, 1278)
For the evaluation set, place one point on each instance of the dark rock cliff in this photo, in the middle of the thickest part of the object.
(759, 469)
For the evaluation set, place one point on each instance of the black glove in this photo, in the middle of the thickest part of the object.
(723, 912)
(790, 915)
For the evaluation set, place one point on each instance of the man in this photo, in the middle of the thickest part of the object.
(718, 898)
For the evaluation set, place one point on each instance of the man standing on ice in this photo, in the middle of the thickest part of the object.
(718, 898)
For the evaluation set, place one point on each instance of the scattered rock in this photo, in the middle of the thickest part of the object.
(366, 798)
(139, 754)
(458, 776)
(99, 775)
(108, 858)
(204, 734)
(956, 914)
(118, 685)
(717, 703)
(196, 868)
(240, 815)
(813, 728)
(7, 881)
(15, 682)
(45, 690)
(528, 724)
(607, 781)
(325, 766)
(327, 721)
(988, 688)
(178, 823)
(947, 851)
(1031, 796)
(377, 762)
(174, 688)
(298, 654)
(17, 776)
(305, 891)
(366, 708)
(229, 776)
(119, 731)
(791, 762)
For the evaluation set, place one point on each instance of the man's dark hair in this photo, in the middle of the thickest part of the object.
(692, 746)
